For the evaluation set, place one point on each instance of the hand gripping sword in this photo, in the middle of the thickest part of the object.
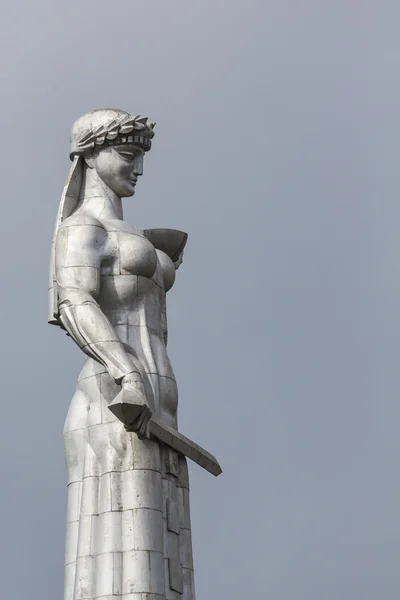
(128, 411)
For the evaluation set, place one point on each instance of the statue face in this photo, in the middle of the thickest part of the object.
(119, 167)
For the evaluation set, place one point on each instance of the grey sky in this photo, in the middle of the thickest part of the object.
(277, 150)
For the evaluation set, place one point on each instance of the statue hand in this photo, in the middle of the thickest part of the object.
(130, 405)
(179, 261)
(139, 426)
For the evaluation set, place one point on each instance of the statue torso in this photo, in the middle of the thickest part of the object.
(134, 278)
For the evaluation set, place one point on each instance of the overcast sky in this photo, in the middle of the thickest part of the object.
(277, 150)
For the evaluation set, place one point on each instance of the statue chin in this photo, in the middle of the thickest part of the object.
(127, 194)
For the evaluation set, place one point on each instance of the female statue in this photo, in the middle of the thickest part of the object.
(128, 526)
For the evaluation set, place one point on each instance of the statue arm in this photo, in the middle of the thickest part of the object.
(78, 254)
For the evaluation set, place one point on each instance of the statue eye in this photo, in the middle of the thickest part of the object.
(126, 154)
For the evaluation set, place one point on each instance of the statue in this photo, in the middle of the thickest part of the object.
(128, 526)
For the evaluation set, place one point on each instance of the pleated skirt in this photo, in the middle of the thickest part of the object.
(128, 523)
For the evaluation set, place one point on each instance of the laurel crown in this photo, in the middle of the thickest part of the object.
(117, 129)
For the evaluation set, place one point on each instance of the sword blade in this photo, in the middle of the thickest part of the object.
(184, 445)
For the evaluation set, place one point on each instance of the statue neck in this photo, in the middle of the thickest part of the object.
(97, 198)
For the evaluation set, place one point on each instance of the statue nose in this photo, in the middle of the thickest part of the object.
(138, 164)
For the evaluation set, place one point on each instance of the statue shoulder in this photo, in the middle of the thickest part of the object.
(170, 241)
(78, 234)
(81, 219)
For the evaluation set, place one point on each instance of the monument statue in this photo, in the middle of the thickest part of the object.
(128, 525)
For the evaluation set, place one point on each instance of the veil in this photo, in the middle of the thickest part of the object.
(68, 203)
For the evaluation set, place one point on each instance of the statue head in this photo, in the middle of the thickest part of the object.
(113, 143)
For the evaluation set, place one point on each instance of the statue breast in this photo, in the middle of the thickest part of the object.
(129, 253)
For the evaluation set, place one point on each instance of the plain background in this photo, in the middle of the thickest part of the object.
(277, 150)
